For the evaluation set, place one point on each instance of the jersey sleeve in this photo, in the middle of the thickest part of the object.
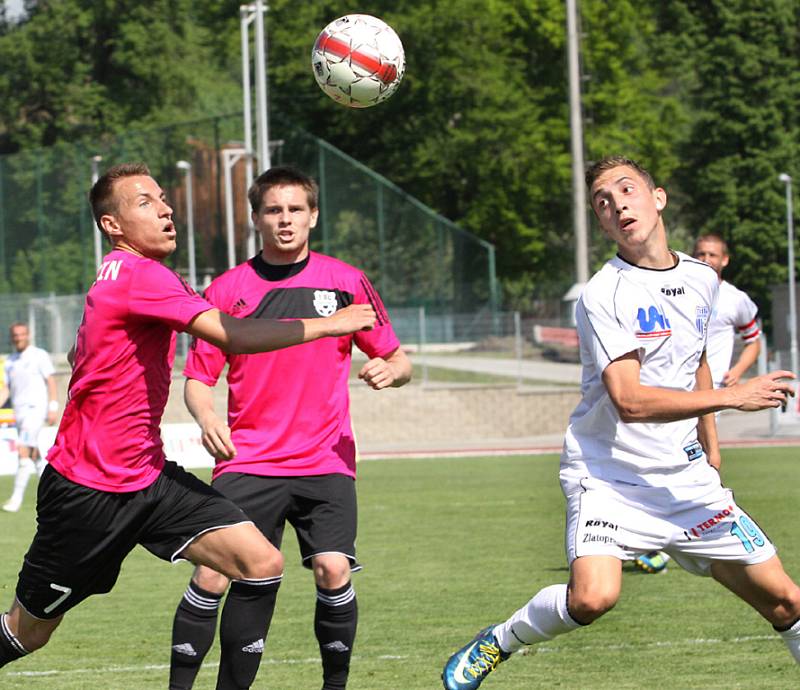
(746, 319)
(603, 333)
(46, 368)
(158, 293)
(381, 341)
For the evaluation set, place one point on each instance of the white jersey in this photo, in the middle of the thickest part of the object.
(735, 312)
(26, 378)
(662, 315)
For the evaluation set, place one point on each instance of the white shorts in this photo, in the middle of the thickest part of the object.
(30, 420)
(622, 520)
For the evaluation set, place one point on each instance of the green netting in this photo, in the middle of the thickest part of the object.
(415, 257)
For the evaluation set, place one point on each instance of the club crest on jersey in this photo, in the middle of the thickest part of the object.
(652, 323)
(701, 318)
(325, 302)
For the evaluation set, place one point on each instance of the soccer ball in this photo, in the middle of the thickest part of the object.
(358, 60)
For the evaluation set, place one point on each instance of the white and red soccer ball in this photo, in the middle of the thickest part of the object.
(358, 60)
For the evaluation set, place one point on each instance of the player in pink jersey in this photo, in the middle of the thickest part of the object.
(287, 451)
(107, 486)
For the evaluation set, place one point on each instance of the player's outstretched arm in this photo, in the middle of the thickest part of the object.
(247, 336)
(215, 433)
(746, 359)
(639, 403)
(383, 372)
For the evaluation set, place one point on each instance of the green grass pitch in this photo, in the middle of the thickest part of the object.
(448, 545)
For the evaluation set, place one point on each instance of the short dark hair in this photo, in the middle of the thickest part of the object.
(282, 176)
(711, 237)
(101, 196)
(609, 162)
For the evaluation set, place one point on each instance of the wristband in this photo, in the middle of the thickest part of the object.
(52, 406)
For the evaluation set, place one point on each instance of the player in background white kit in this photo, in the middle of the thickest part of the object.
(32, 386)
(734, 313)
(635, 465)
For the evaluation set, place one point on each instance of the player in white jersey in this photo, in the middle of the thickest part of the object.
(635, 466)
(32, 387)
(734, 312)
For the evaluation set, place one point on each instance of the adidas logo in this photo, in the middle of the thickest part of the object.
(336, 646)
(185, 648)
(256, 647)
(238, 306)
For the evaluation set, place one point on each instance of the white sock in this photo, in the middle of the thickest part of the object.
(542, 618)
(24, 472)
(40, 465)
(792, 639)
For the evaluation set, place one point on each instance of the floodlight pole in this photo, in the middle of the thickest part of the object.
(98, 236)
(576, 136)
(231, 157)
(186, 167)
(787, 180)
(248, 14)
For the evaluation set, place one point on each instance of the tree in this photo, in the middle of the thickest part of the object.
(743, 94)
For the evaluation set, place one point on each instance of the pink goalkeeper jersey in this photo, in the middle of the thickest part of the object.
(289, 410)
(109, 436)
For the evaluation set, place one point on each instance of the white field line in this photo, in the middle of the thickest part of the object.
(165, 667)
(537, 649)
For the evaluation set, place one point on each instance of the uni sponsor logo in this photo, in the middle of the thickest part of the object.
(652, 323)
(601, 523)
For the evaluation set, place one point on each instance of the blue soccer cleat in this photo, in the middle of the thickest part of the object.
(467, 668)
(653, 562)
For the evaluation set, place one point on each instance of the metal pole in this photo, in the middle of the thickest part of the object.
(187, 168)
(787, 180)
(98, 236)
(246, 16)
(576, 136)
(262, 127)
(229, 158)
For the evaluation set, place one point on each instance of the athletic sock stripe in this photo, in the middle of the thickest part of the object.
(15, 643)
(201, 602)
(262, 583)
(339, 599)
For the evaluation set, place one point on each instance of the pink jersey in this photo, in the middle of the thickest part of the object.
(109, 437)
(289, 410)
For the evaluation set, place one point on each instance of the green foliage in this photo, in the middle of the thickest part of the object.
(702, 92)
(743, 94)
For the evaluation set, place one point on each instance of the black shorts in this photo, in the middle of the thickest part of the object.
(83, 534)
(322, 509)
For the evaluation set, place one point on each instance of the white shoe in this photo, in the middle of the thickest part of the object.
(12, 506)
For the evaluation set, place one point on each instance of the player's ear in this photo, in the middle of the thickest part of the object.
(314, 216)
(660, 196)
(110, 225)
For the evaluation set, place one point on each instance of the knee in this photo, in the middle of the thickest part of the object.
(331, 572)
(210, 580)
(785, 610)
(587, 604)
(263, 564)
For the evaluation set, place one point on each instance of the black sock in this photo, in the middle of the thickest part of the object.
(192, 635)
(10, 647)
(335, 623)
(243, 630)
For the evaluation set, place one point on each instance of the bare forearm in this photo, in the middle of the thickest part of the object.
(747, 358)
(652, 404)
(199, 399)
